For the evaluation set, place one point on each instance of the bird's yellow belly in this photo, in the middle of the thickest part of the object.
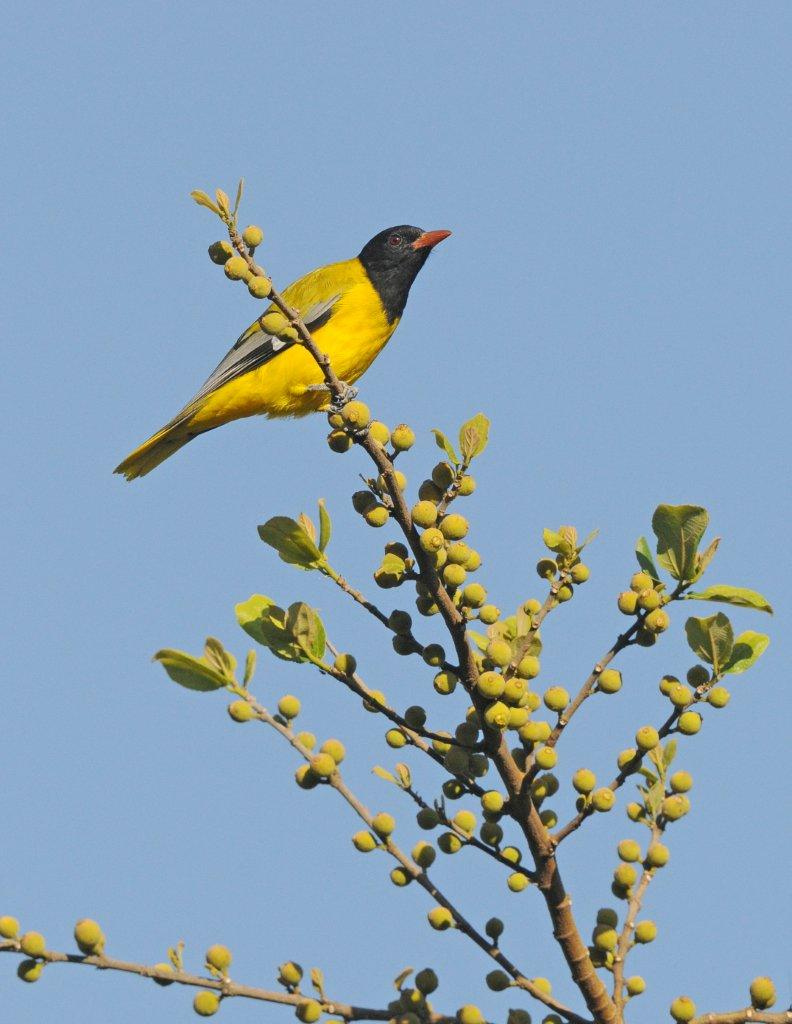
(277, 388)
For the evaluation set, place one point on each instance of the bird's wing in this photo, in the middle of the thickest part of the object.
(255, 347)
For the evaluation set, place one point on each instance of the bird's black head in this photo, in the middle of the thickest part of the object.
(392, 260)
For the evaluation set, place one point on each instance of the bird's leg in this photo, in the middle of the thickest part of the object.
(347, 393)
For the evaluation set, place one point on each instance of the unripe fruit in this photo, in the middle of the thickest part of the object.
(584, 780)
(395, 738)
(458, 553)
(497, 715)
(470, 1014)
(683, 1009)
(564, 593)
(9, 927)
(364, 841)
(657, 621)
(449, 843)
(379, 432)
(546, 568)
(528, 667)
(625, 757)
(556, 698)
(679, 695)
(440, 745)
(649, 601)
(492, 801)
(454, 576)
(404, 645)
(323, 765)
(667, 683)
(440, 918)
(252, 236)
(427, 818)
(432, 540)
(474, 595)
(689, 723)
(627, 602)
(457, 761)
(473, 561)
(30, 970)
(490, 684)
(517, 882)
(543, 985)
(33, 944)
(288, 706)
(489, 614)
(498, 981)
(236, 268)
(535, 732)
(356, 415)
(305, 778)
(400, 877)
(499, 652)
(220, 252)
(634, 811)
(377, 516)
(625, 875)
(681, 782)
(454, 527)
(491, 833)
(549, 818)
(629, 851)
(401, 481)
(518, 1017)
(433, 654)
(467, 485)
(338, 441)
(657, 856)
(290, 974)
(88, 936)
(309, 1011)
(400, 622)
(424, 854)
(608, 916)
(603, 799)
(345, 664)
(645, 931)
(426, 606)
(675, 807)
(465, 820)
(647, 737)
(259, 287)
(546, 757)
(605, 938)
(718, 697)
(206, 1004)
(426, 981)
(763, 993)
(494, 928)
(511, 854)
(240, 711)
(579, 573)
(219, 957)
(424, 514)
(635, 985)
(698, 675)
(335, 748)
(609, 681)
(445, 683)
(402, 438)
(306, 739)
(383, 824)
(641, 581)
(645, 639)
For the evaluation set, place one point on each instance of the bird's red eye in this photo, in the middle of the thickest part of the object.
(395, 240)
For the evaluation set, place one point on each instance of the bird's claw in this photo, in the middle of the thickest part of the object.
(347, 393)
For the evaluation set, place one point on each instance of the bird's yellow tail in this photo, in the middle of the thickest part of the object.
(151, 453)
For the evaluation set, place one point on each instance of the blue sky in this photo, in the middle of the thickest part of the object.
(615, 296)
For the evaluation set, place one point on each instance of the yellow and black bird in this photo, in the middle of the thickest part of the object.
(351, 309)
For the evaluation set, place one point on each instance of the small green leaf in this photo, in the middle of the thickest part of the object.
(307, 629)
(192, 673)
(203, 200)
(473, 437)
(740, 596)
(262, 619)
(748, 648)
(481, 641)
(219, 657)
(669, 753)
(239, 193)
(383, 774)
(291, 541)
(392, 565)
(308, 525)
(317, 980)
(644, 555)
(250, 667)
(403, 774)
(704, 559)
(325, 525)
(679, 529)
(442, 442)
(222, 201)
(656, 757)
(552, 540)
(400, 978)
(654, 798)
(176, 955)
(711, 639)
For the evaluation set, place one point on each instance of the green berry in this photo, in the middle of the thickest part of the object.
(549, 818)
(675, 807)
(429, 491)
(564, 593)
(499, 652)
(546, 757)
(467, 485)
(546, 568)
(440, 918)
(432, 540)
(219, 957)
(30, 970)
(306, 739)
(718, 697)
(9, 927)
(635, 985)
(584, 780)
(457, 761)
(543, 985)
(518, 1017)
(657, 621)
(445, 683)
(401, 481)
(236, 268)
(288, 706)
(424, 514)
(608, 916)
(763, 993)
(364, 841)
(535, 732)
(490, 685)
(641, 581)
(628, 602)
(323, 765)
(579, 573)
(395, 738)
(625, 875)
(402, 438)
(220, 252)
(404, 645)
(335, 748)
(427, 818)
(657, 856)
(492, 802)
(252, 236)
(679, 695)
(497, 715)
(625, 757)
(609, 681)
(305, 778)
(498, 981)
(528, 667)
(33, 944)
(645, 931)
(383, 824)
(449, 843)
(681, 782)
(629, 851)
(454, 576)
(647, 738)
(556, 698)
(290, 974)
(454, 527)
(433, 654)
(338, 441)
(426, 981)
(308, 1011)
(603, 799)
(605, 939)
(459, 553)
(379, 432)
(474, 595)
(470, 1014)
(356, 415)
(667, 683)
(206, 1004)
(88, 936)
(683, 1009)
(377, 516)
(400, 877)
(649, 600)
(259, 287)
(635, 812)
(491, 833)
(698, 675)
(689, 723)
(465, 821)
(511, 854)
(240, 711)
(424, 854)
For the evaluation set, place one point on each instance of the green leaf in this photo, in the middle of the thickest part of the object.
(704, 559)
(654, 798)
(748, 648)
(203, 200)
(562, 542)
(219, 657)
(644, 555)
(403, 774)
(742, 597)
(679, 529)
(400, 978)
(239, 193)
(481, 641)
(291, 541)
(711, 639)
(442, 442)
(192, 673)
(669, 753)
(317, 980)
(305, 626)
(250, 667)
(383, 774)
(325, 525)
(393, 565)
(656, 757)
(473, 437)
(262, 619)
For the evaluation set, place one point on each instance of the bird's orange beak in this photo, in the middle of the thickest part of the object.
(429, 239)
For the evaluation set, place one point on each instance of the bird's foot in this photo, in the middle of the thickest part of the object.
(347, 394)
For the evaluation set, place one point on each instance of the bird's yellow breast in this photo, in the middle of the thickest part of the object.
(355, 333)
